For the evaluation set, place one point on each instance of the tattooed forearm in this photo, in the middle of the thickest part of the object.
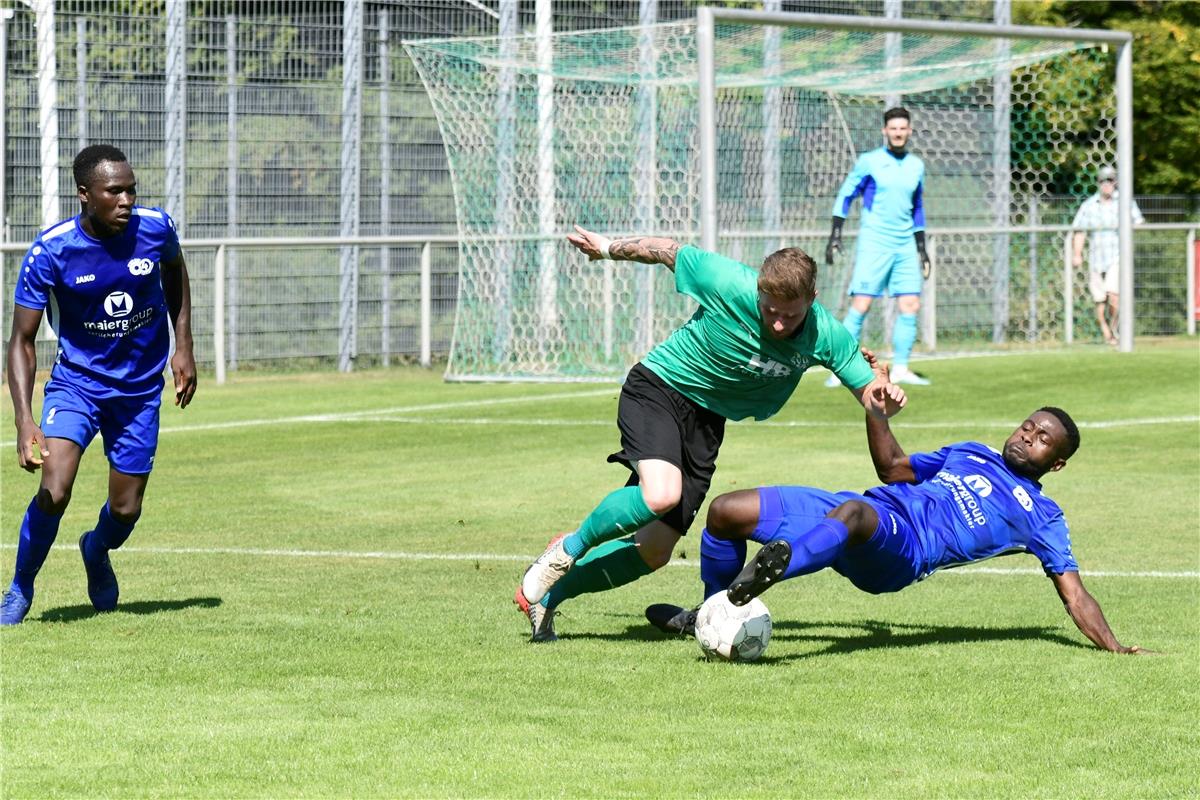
(646, 249)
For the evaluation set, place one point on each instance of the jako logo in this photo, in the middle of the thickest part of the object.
(118, 304)
(140, 266)
(84, 279)
(981, 485)
(1023, 498)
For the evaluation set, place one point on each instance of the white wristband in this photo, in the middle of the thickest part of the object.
(603, 244)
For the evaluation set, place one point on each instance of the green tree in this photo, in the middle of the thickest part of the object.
(1166, 80)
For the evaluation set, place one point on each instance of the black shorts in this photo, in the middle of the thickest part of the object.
(658, 422)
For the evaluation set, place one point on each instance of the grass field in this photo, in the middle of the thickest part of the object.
(317, 603)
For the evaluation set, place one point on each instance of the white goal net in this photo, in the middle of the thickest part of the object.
(600, 129)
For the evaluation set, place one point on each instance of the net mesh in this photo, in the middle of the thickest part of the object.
(600, 129)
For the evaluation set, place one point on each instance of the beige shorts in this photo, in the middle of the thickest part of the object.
(1102, 284)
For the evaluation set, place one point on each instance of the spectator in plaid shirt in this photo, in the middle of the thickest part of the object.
(1098, 217)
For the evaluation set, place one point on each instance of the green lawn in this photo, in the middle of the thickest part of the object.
(317, 603)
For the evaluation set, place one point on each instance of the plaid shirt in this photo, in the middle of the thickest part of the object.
(1100, 218)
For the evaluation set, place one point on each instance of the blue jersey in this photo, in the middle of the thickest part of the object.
(111, 318)
(968, 505)
(891, 189)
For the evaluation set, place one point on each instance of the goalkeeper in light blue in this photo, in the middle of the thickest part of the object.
(891, 252)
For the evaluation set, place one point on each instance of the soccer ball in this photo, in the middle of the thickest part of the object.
(732, 633)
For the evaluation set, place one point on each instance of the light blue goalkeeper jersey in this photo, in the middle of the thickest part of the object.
(891, 189)
(968, 505)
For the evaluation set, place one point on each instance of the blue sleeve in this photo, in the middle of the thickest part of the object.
(854, 185)
(36, 279)
(170, 247)
(919, 204)
(1051, 543)
(926, 465)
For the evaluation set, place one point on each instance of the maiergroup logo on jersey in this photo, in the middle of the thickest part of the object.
(981, 485)
(118, 304)
(140, 266)
(119, 307)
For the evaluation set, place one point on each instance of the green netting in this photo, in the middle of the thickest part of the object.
(607, 137)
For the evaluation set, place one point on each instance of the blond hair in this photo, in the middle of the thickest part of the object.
(789, 274)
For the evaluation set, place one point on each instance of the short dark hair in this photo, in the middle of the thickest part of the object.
(899, 112)
(789, 274)
(1070, 426)
(87, 159)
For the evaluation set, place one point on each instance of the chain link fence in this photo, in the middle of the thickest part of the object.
(259, 101)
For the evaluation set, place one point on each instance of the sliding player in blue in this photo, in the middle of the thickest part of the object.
(891, 238)
(117, 274)
(963, 503)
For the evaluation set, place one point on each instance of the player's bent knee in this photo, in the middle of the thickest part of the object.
(733, 515)
(661, 498)
(859, 518)
(53, 499)
(125, 512)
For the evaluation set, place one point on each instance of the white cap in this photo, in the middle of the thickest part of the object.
(1106, 173)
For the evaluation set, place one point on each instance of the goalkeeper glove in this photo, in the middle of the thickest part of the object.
(926, 264)
(835, 240)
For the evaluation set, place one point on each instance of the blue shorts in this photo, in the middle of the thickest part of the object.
(879, 266)
(888, 562)
(129, 425)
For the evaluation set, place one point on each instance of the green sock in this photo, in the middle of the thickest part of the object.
(622, 513)
(612, 564)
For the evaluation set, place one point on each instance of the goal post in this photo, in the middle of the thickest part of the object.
(709, 17)
(734, 132)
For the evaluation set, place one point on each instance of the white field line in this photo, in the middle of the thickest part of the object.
(392, 416)
(392, 555)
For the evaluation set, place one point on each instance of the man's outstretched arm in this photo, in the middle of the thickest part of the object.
(1086, 613)
(891, 462)
(643, 249)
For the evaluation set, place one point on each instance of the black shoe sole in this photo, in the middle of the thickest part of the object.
(760, 574)
(672, 619)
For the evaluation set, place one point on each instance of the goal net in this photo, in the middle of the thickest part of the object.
(600, 129)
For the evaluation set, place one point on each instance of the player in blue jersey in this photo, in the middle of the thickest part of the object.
(965, 502)
(119, 282)
(891, 252)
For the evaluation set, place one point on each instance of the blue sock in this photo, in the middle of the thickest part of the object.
(853, 321)
(904, 335)
(38, 531)
(108, 535)
(720, 562)
(817, 548)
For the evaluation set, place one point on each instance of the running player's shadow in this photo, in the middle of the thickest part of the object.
(877, 634)
(76, 613)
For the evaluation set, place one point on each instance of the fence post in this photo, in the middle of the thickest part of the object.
(219, 314)
(1031, 335)
(385, 192)
(1190, 259)
(929, 298)
(426, 304)
(1068, 292)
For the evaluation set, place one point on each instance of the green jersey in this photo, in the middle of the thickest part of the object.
(725, 361)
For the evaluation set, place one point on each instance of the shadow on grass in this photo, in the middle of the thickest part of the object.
(75, 613)
(875, 635)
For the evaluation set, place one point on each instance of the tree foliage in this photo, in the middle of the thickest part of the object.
(1166, 80)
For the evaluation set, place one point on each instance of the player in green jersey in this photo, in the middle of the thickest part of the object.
(740, 355)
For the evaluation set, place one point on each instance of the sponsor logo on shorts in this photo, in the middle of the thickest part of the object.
(84, 279)
(140, 266)
(1023, 498)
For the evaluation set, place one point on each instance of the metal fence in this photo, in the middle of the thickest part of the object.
(297, 118)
